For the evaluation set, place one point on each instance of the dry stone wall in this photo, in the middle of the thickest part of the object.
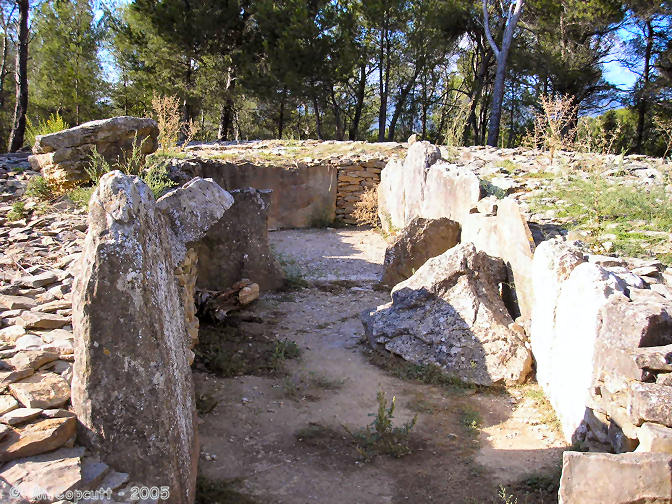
(355, 176)
(306, 194)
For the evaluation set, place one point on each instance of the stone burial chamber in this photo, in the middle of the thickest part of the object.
(599, 328)
(128, 329)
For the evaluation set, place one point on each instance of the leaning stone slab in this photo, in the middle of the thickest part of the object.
(129, 329)
(420, 240)
(450, 313)
(628, 478)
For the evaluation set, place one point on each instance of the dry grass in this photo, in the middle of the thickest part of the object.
(553, 126)
(167, 112)
(366, 209)
(189, 129)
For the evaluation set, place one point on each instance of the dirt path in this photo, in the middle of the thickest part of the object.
(282, 437)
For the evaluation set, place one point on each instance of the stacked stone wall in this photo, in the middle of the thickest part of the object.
(354, 178)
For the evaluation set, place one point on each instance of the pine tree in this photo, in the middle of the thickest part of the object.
(67, 74)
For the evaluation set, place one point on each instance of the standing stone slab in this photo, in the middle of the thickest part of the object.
(237, 246)
(132, 387)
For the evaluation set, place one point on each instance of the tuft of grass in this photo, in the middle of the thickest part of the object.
(283, 350)
(80, 196)
(430, 374)
(471, 420)
(505, 497)
(210, 491)
(17, 212)
(325, 382)
(508, 165)
(294, 277)
(381, 436)
(543, 405)
(38, 187)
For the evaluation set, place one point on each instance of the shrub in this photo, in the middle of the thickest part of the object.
(53, 124)
(366, 209)
(39, 188)
(166, 110)
(17, 212)
(156, 177)
(80, 196)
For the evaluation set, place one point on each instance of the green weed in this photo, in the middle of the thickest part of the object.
(381, 436)
(39, 188)
(471, 420)
(17, 212)
(80, 196)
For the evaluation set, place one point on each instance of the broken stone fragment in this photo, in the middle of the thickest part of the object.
(17, 302)
(628, 478)
(450, 313)
(52, 473)
(7, 404)
(125, 306)
(654, 438)
(20, 415)
(37, 320)
(35, 281)
(37, 438)
(419, 241)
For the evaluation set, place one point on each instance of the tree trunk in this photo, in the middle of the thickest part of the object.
(383, 79)
(403, 95)
(3, 69)
(21, 108)
(340, 130)
(359, 106)
(500, 75)
(281, 115)
(479, 85)
(226, 115)
(643, 104)
(318, 119)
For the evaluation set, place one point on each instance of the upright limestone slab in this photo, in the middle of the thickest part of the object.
(132, 387)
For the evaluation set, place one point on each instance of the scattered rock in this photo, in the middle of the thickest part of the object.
(37, 438)
(37, 320)
(20, 415)
(41, 390)
(7, 404)
(17, 302)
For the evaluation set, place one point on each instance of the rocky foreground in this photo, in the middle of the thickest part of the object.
(38, 453)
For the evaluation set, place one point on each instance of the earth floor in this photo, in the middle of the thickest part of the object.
(284, 433)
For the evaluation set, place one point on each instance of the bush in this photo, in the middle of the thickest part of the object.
(53, 124)
(80, 196)
(39, 188)
(167, 112)
(17, 212)
(156, 177)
